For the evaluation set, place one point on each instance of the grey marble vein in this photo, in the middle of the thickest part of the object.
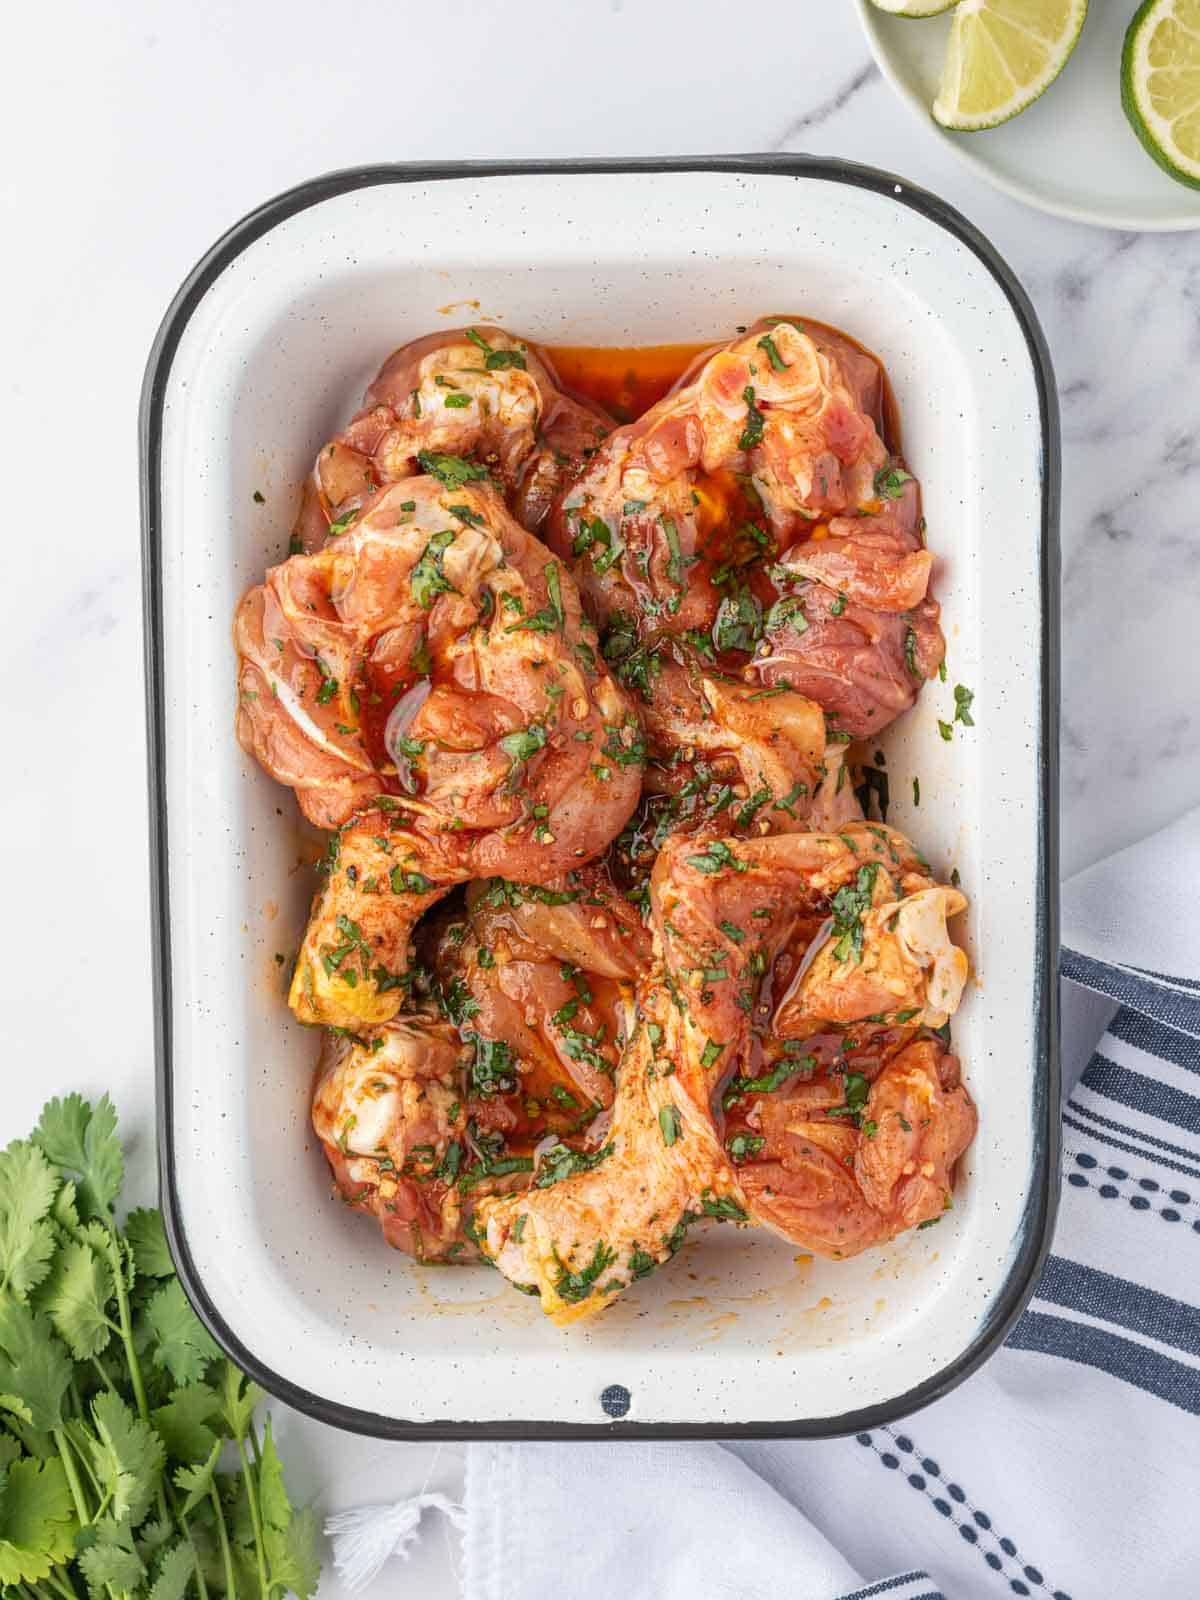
(828, 108)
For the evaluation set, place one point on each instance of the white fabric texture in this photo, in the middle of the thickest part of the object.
(627, 1529)
(1067, 1469)
(363, 1539)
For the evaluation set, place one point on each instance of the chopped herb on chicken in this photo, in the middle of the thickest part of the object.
(850, 904)
(752, 433)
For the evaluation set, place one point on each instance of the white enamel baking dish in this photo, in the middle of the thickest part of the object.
(264, 352)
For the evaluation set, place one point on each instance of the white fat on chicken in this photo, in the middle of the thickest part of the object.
(921, 932)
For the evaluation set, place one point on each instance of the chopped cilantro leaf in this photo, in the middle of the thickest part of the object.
(850, 905)
(641, 1262)
(576, 1286)
(427, 579)
(717, 855)
(767, 344)
(409, 882)
(453, 471)
(890, 480)
(752, 433)
(493, 1069)
(560, 1161)
(910, 653)
(722, 1207)
(523, 744)
(744, 1145)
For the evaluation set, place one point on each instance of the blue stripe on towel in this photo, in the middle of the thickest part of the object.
(1142, 1093)
(907, 1586)
(950, 1500)
(1143, 994)
(1156, 1038)
(1148, 1370)
(1117, 1300)
(1120, 1144)
(1135, 1134)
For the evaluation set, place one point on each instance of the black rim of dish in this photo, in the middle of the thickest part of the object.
(1037, 1222)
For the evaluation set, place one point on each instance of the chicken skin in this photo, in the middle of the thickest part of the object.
(436, 652)
(754, 520)
(474, 393)
(403, 1139)
(549, 970)
(837, 1186)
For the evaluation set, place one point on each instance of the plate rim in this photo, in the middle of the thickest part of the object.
(869, 16)
(1036, 1226)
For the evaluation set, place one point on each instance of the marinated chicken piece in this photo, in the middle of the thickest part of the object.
(421, 1118)
(854, 627)
(427, 679)
(754, 516)
(436, 652)
(399, 1128)
(762, 755)
(904, 958)
(770, 406)
(474, 393)
(352, 969)
(383, 873)
(837, 1183)
(736, 922)
(548, 972)
(583, 1240)
(579, 920)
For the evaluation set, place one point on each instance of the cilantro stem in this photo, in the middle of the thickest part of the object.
(182, 1522)
(88, 1472)
(117, 1260)
(67, 1590)
(66, 1456)
(103, 1376)
(63, 1586)
(223, 1536)
(255, 1518)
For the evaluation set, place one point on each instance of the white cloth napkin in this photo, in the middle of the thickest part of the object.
(1067, 1469)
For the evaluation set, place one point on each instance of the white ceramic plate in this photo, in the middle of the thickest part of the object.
(263, 354)
(1072, 152)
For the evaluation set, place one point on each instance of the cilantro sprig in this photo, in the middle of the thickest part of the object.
(119, 1418)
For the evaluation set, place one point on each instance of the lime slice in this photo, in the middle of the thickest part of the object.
(913, 8)
(1160, 84)
(1001, 55)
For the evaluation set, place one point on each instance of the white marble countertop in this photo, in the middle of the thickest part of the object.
(135, 133)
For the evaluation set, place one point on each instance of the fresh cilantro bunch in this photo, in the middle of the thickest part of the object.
(130, 1465)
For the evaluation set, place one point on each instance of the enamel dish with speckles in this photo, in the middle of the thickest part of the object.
(585, 657)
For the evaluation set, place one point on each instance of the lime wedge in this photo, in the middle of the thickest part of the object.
(1001, 55)
(1160, 84)
(913, 8)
